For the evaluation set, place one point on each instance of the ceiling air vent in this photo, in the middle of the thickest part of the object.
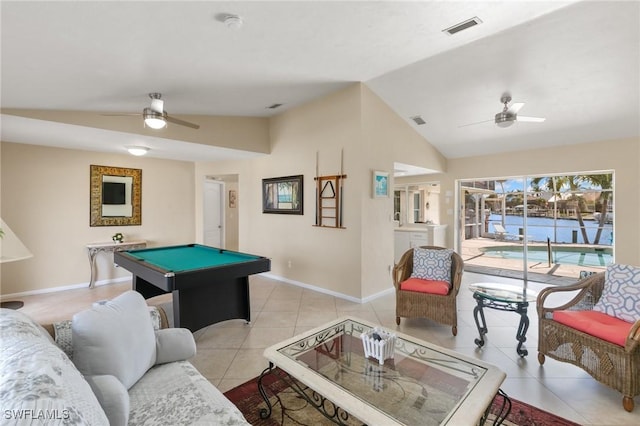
(418, 120)
(463, 25)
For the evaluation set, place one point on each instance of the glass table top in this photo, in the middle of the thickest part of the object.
(422, 384)
(504, 292)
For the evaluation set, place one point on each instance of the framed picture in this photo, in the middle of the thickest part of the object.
(380, 184)
(282, 195)
(232, 199)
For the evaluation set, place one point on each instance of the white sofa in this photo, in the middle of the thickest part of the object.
(40, 382)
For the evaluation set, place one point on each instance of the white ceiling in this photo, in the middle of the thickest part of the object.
(577, 63)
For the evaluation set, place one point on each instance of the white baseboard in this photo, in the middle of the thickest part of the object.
(329, 292)
(267, 275)
(66, 287)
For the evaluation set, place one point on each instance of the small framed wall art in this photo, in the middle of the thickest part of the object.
(380, 184)
(232, 199)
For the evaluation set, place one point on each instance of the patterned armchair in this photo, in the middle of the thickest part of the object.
(441, 308)
(616, 365)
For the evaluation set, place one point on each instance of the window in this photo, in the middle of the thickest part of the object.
(417, 207)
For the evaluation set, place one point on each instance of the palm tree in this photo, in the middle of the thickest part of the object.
(555, 184)
(604, 181)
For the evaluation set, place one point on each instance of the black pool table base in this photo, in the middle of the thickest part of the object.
(198, 307)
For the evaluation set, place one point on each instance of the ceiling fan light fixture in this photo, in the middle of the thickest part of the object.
(505, 120)
(137, 150)
(154, 119)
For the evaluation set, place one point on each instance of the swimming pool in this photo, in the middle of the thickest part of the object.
(584, 256)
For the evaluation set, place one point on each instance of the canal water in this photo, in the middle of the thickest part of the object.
(564, 231)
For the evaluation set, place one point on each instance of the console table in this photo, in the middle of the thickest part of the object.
(503, 297)
(95, 248)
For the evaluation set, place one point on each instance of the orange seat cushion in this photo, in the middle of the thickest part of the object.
(596, 324)
(425, 286)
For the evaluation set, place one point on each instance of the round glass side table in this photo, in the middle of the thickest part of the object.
(502, 297)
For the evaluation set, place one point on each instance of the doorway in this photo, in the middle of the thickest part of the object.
(213, 213)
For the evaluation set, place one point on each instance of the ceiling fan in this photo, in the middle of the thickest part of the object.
(156, 117)
(509, 114)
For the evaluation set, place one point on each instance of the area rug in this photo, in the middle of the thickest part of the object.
(289, 408)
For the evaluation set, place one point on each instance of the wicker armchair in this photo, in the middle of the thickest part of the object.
(613, 365)
(439, 308)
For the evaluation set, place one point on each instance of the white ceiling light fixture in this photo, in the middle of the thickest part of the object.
(137, 150)
(154, 120)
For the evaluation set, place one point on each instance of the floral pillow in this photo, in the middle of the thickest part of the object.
(432, 264)
(621, 294)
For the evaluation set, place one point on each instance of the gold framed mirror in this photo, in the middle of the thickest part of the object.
(116, 196)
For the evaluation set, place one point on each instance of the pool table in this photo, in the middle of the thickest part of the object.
(208, 284)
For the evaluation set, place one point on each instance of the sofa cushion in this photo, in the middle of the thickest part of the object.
(621, 294)
(596, 324)
(432, 264)
(37, 377)
(425, 286)
(177, 394)
(113, 398)
(115, 338)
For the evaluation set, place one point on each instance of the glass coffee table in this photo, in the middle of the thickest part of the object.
(503, 297)
(423, 384)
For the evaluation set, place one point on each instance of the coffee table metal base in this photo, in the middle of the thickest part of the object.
(327, 408)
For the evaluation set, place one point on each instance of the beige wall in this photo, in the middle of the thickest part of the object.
(355, 123)
(328, 258)
(45, 200)
(387, 139)
(242, 133)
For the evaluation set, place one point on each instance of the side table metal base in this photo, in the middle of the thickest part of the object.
(517, 307)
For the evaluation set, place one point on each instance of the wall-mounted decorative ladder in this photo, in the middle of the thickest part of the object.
(329, 192)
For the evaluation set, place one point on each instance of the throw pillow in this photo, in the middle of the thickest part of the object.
(621, 294)
(432, 264)
(63, 333)
(115, 338)
(174, 344)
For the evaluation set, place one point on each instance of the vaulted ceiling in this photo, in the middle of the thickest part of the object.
(576, 63)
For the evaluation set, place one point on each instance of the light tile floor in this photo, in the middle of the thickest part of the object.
(230, 353)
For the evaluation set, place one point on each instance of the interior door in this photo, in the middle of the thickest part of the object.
(213, 217)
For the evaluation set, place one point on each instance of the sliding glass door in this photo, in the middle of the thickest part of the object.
(537, 227)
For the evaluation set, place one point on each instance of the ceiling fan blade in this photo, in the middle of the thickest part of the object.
(174, 120)
(530, 119)
(477, 122)
(515, 107)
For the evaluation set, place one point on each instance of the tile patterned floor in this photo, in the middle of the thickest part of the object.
(231, 352)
